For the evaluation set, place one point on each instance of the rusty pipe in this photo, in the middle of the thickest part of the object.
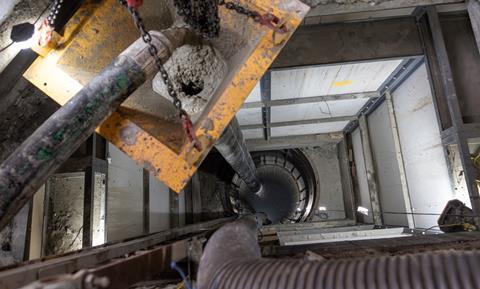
(232, 260)
(233, 148)
(22, 174)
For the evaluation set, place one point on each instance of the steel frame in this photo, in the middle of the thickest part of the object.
(459, 133)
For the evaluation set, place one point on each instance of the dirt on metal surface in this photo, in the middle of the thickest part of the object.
(22, 111)
(380, 247)
(65, 216)
(196, 72)
(6, 256)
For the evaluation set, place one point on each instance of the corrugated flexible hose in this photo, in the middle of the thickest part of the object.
(446, 269)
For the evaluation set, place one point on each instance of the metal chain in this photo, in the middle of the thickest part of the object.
(267, 19)
(57, 5)
(147, 38)
(177, 103)
(239, 9)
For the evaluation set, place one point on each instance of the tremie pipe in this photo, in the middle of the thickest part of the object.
(22, 174)
(232, 260)
(233, 148)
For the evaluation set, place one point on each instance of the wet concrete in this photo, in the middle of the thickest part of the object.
(196, 72)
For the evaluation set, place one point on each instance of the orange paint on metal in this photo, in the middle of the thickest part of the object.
(99, 31)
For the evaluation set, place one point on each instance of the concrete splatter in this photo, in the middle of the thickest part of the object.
(196, 72)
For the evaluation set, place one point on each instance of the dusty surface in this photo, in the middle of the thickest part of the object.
(99, 207)
(6, 256)
(22, 111)
(12, 239)
(381, 247)
(65, 215)
(212, 196)
(196, 72)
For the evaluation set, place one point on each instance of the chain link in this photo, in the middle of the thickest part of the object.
(269, 20)
(147, 38)
(152, 50)
(202, 15)
(239, 9)
(52, 16)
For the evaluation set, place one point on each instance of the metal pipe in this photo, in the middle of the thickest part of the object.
(22, 174)
(232, 260)
(233, 148)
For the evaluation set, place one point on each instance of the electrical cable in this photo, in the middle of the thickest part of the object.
(5, 48)
(174, 266)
